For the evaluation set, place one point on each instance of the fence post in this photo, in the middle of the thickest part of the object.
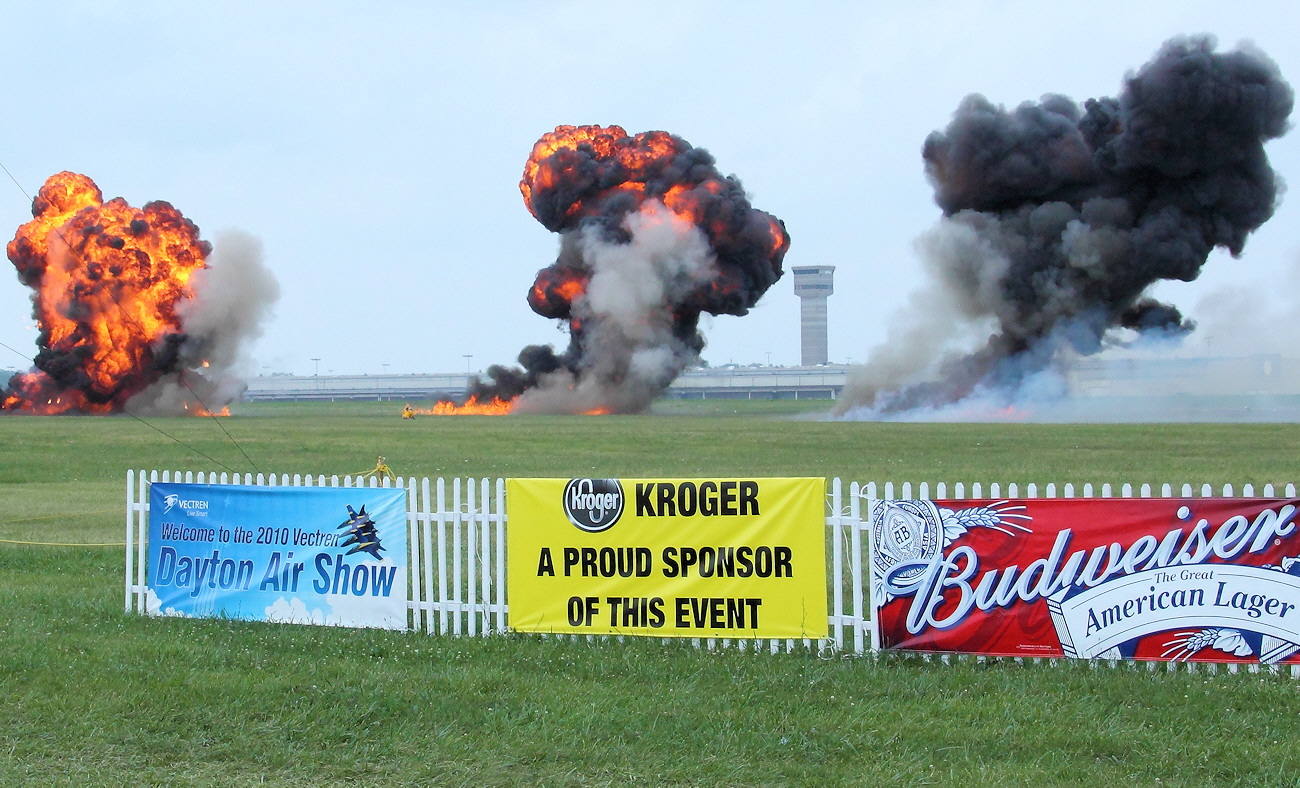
(861, 619)
(130, 508)
(499, 608)
(868, 574)
(478, 565)
(414, 594)
(443, 622)
(837, 565)
(426, 539)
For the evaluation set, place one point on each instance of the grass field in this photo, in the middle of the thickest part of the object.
(93, 696)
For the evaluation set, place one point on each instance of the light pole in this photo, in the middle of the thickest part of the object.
(317, 366)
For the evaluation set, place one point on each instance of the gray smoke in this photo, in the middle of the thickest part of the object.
(1057, 218)
(233, 298)
(629, 334)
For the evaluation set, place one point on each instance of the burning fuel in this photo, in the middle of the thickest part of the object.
(651, 237)
(131, 315)
(1057, 218)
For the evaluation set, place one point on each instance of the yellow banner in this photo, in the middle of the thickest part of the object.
(720, 558)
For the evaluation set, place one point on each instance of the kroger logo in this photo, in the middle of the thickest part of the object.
(593, 505)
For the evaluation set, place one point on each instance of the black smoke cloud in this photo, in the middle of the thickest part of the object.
(1058, 217)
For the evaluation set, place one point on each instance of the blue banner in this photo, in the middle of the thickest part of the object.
(310, 555)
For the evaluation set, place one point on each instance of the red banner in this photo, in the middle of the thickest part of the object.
(1199, 579)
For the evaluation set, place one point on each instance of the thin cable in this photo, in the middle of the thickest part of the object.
(186, 445)
(217, 420)
(19, 352)
(180, 377)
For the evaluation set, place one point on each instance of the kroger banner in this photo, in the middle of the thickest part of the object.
(1205, 579)
(313, 555)
(723, 558)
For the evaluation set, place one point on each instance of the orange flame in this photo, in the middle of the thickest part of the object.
(601, 140)
(473, 407)
(108, 279)
(634, 160)
(199, 410)
(494, 407)
(1010, 413)
(554, 291)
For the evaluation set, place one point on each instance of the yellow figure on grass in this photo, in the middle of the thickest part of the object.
(380, 470)
(408, 412)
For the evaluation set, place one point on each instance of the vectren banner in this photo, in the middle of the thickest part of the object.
(313, 555)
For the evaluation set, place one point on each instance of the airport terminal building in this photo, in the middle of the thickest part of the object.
(1227, 382)
(729, 382)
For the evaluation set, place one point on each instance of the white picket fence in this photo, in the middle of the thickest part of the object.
(457, 545)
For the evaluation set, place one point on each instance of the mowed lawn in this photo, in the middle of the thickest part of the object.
(95, 696)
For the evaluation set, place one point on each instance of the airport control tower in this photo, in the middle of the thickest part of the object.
(813, 284)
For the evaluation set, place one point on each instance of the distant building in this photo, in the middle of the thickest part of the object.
(729, 382)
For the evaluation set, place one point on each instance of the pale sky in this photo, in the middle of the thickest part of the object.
(375, 149)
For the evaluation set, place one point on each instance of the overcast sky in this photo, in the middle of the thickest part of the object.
(375, 149)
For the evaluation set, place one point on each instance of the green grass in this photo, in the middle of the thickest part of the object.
(92, 696)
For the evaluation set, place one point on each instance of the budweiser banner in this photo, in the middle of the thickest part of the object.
(1202, 579)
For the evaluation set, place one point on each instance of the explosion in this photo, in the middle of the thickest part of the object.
(651, 237)
(131, 316)
(1058, 218)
